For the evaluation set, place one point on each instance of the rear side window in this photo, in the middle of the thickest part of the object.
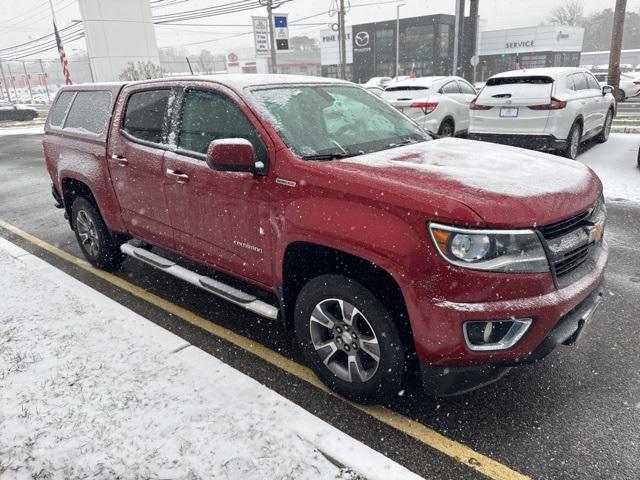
(533, 79)
(59, 110)
(146, 113)
(89, 112)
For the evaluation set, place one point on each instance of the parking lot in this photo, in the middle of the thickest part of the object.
(574, 415)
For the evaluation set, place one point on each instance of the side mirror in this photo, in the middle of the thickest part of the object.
(607, 89)
(232, 155)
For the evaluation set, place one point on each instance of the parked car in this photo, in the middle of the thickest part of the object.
(629, 85)
(9, 111)
(438, 104)
(544, 108)
(382, 250)
(379, 82)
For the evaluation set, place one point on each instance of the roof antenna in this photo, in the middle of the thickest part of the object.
(189, 63)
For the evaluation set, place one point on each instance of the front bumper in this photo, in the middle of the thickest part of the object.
(534, 142)
(447, 381)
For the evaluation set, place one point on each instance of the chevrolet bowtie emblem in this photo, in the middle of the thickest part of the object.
(595, 232)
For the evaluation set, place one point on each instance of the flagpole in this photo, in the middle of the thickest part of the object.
(61, 53)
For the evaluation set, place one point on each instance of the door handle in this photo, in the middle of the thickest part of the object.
(122, 161)
(179, 177)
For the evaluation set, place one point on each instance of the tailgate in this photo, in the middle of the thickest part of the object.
(510, 99)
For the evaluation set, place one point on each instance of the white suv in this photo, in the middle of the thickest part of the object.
(437, 104)
(544, 108)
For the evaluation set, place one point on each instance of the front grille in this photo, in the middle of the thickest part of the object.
(561, 228)
(569, 243)
(571, 260)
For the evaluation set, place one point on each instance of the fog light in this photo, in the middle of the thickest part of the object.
(494, 334)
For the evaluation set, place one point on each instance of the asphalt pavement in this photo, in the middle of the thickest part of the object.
(575, 415)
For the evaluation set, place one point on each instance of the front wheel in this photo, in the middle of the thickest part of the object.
(603, 136)
(349, 339)
(96, 242)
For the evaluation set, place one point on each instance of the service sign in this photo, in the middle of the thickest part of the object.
(281, 30)
(261, 35)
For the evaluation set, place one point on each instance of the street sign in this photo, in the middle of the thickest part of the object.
(474, 61)
(261, 35)
(281, 31)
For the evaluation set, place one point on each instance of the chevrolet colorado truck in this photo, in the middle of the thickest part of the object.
(311, 202)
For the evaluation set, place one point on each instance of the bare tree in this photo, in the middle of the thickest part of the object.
(571, 13)
(141, 71)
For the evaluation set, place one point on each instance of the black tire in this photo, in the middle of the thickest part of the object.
(447, 128)
(571, 149)
(603, 136)
(94, 238)
(620, 96)
(385, 377)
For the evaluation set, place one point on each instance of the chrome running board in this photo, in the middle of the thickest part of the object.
(222, 290)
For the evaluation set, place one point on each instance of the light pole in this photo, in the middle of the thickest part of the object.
(398, 39)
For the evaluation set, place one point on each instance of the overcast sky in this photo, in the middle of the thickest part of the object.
(24, 20)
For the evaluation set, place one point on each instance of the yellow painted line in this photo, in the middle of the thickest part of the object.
(457, 451)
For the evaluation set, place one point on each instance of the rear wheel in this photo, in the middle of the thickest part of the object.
(96, 242)
(603, 136)
(620, 96)
(348, 337)
(447, 129)
(573, 142)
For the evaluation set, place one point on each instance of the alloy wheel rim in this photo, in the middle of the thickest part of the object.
(344, 340)
(88, 233)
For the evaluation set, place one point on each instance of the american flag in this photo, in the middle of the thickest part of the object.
(63, 57)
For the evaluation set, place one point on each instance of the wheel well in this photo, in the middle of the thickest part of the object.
(304, 261)
(72, 189)
(449, 119)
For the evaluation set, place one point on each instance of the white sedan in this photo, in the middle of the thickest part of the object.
(629, 85)
(438, 104)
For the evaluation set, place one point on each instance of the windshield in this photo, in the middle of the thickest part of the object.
(321, 122)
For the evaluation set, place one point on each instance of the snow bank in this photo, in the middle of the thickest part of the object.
(90, 389)
(22, 130)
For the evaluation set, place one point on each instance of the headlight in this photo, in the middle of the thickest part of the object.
(495, 250)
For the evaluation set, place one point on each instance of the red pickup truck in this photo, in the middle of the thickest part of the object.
(316, 204)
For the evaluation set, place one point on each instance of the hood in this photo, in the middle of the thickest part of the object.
(507, 187)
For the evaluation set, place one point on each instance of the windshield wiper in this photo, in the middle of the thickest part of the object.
(326, 156)
(404, 141)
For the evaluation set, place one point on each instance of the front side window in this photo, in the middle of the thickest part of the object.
(450, 88)
(579, 81)
(328, 121)
(146, 113)
(592, 82)
(208, 116)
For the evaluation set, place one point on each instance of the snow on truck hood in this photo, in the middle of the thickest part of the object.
(506, 186)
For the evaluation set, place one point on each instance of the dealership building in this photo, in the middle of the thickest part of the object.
(426, 48)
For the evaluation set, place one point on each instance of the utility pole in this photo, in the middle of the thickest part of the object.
(343, 42)
(4, 81)
(45, 81)
(456, 37)
(616, 46)
(398, 39)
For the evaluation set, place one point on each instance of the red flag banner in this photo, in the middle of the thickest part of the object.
(63, 57)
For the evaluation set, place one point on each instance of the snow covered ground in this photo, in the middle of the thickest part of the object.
(28, 128)
(615, 162)
(90, 389)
